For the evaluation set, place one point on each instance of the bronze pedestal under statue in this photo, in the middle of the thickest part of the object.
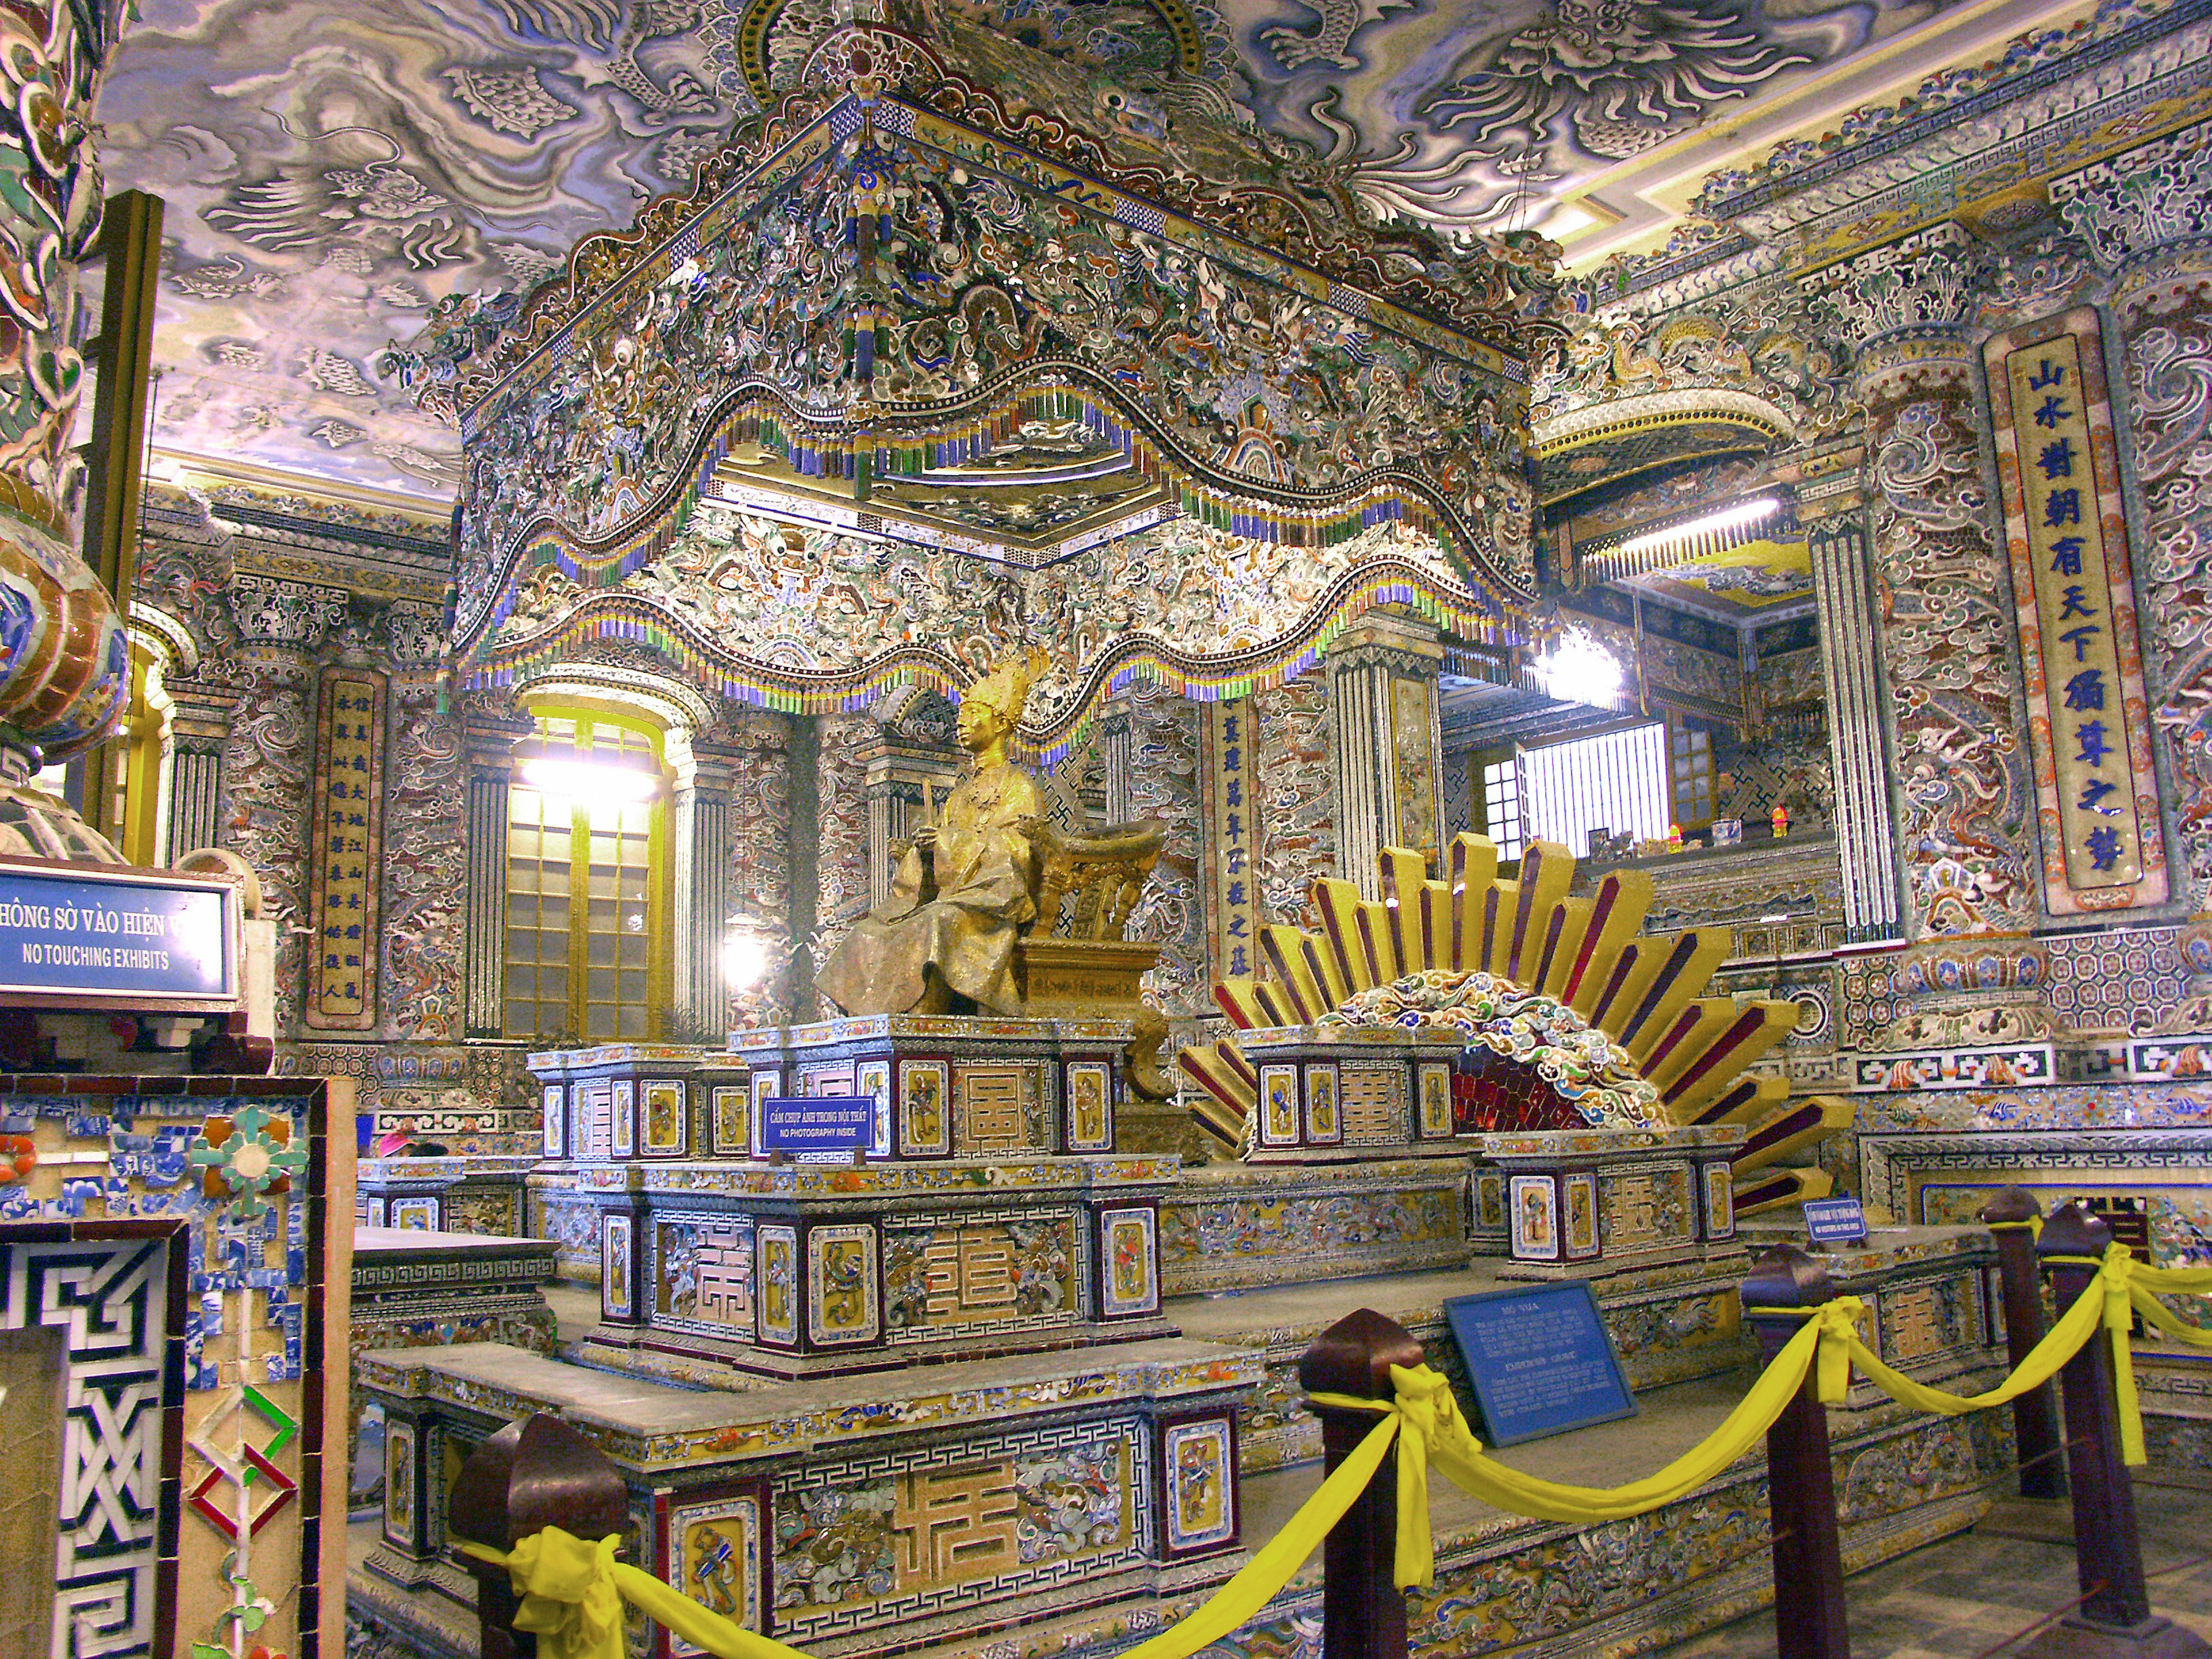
(970, 890)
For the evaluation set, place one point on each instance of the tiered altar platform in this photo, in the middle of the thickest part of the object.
(853, 1513)
(742, 1499)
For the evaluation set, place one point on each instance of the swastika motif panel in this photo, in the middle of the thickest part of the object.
(703, 1275)
(865, 1542)
(112, 1298)
(1011, 1271)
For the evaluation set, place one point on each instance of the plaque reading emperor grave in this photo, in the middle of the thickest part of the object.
(1540, 1360)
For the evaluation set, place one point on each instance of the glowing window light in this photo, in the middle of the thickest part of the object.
(584, 780)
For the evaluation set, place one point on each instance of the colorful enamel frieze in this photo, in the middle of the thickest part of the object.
(342, 967)
(1233, 908)
(633, 1102)
(2066, 524)
(1236, 1227)
(162, 1256)
(956, 1087)
(808, 1510)
(483, 1193)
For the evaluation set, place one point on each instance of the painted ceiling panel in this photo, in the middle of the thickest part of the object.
(335, 168)
(331, 172)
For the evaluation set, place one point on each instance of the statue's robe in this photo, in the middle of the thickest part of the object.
(986, 873)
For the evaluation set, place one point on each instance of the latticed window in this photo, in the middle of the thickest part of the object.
(1501, 806)
(1693, 775)
(584, 901)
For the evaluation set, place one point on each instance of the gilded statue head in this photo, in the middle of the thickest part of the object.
(993, 706)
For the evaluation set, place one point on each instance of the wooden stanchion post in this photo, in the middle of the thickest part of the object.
(2115, 1619)
(1809, 1561)
(2010, 1218)
(532, 1475)
(1363, 1609)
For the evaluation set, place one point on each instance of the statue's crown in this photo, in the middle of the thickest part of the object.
(1006, 686)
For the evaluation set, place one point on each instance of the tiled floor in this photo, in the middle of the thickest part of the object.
(1984, 1592)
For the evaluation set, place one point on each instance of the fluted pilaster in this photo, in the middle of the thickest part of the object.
(1961, 800)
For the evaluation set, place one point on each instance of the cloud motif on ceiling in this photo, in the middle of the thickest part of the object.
(334, 170)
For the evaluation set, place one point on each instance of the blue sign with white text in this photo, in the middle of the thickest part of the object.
(105, 938)
(1834, 1221)
(1540, 1360)
(817, 1123)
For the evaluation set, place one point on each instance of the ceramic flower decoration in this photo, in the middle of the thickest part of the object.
(247, 1158)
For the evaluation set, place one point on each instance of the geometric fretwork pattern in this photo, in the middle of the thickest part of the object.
(110, 1297)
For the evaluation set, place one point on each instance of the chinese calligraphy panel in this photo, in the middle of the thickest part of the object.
(348, 804)
(1232, 827)
(2066, 527)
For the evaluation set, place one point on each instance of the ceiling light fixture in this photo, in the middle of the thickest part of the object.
(1677, 544)
(1578, 669)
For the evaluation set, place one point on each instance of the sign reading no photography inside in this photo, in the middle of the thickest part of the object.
(105, 939)
(817, 1123)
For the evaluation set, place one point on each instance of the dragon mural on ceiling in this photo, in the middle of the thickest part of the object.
(334, 169)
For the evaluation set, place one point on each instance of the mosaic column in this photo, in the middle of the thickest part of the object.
(2146, 217)
(699, 879)
(199, 727)
(65, 664)
(1858, 749)
(491, 761)
(1965, 836)
(1383, 696)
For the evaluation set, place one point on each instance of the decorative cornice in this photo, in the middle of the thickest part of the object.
(1929, 284)
(2156, 194)
(1594, 422)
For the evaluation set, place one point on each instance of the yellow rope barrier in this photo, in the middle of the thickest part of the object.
(572, 1590)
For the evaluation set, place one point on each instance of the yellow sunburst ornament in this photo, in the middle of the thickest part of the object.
(1615, 1021)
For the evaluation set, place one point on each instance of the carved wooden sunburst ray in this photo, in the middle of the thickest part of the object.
(1645, 993)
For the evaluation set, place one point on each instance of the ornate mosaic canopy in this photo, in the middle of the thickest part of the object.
(919, 368)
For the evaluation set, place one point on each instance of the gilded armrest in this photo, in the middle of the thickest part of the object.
(1090, 881)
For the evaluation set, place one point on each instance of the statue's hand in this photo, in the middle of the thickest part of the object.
(925, 849)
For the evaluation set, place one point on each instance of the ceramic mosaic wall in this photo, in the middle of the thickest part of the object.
(842, 864)
(760, 812)
(189, 1255)
(1295, 784)
(2165, 317)
(1965, 830)
(266, 765)
(1165, 784)
(425, 786)
(271, 599)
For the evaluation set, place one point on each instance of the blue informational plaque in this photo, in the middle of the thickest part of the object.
(1834, 1221)
(1540, 1360)
(817, 1123)
(72, 936)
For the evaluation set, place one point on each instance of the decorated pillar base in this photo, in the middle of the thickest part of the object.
(1971, 1015)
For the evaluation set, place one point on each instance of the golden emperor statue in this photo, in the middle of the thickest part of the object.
(966, 885)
